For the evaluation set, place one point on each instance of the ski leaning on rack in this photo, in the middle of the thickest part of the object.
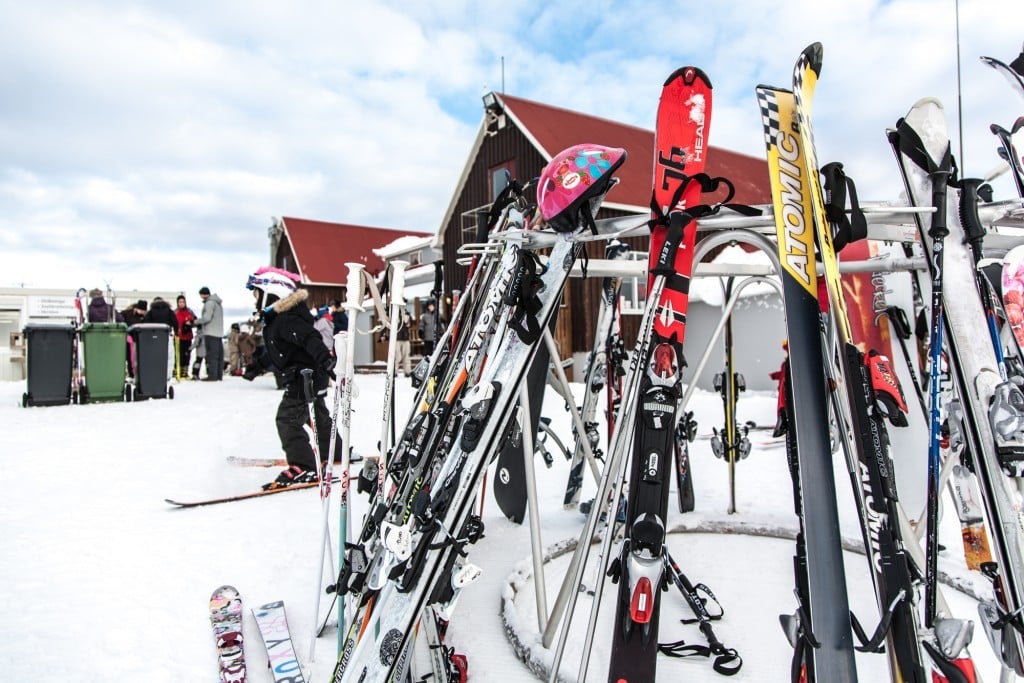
(684, 117)
(867, 446)
(973, 368)
(226, 620)
(602, 372)
(273, 625)
(1013, 72)
(732, 443)
(820, 629)
(441, 525)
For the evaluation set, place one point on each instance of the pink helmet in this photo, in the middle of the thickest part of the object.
(573, 178)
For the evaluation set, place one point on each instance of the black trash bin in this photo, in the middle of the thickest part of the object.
(50, 353)
(152, 358)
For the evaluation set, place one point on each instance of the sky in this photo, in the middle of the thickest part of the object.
(149, 144)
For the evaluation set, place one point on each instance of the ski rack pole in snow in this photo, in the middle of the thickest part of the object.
(562, 387)
(536, 544)
(353, 305)
(326, 547)
(397, 297)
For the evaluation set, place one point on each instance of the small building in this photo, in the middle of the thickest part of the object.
(516, 138)
(318, 251)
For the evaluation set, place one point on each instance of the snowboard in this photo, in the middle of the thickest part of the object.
(226, 620)
(273, 624)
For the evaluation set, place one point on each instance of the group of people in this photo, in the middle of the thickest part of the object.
(202, 332)
(296, 340)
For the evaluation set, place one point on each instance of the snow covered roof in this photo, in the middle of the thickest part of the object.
(403, 245)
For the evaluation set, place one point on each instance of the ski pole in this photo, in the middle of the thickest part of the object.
(397, 308)
(901, 326)
(326, 548)
(353, 305)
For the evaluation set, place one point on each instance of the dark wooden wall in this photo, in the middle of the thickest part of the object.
(578, 313)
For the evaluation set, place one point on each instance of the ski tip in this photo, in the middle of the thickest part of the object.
(926, 103)
(688, 75)
(763, 88)
(812, 57)
(223, 595)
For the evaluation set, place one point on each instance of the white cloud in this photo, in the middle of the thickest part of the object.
(151, 143)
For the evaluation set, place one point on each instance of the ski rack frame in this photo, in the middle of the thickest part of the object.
(885, 224)
(888, 221)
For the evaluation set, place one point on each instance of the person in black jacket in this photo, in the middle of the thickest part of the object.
(292, 344)
(160, 312)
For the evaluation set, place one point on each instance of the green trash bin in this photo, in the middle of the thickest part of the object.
(105, 348)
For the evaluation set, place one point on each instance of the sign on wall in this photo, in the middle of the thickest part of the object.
(51, 307)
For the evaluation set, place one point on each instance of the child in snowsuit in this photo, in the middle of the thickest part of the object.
(292, 344)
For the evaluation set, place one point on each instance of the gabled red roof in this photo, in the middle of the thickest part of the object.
(553, 129)
(322, 249)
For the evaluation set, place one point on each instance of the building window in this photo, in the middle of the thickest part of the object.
(633, 292)
(500, 176)
(469, 223)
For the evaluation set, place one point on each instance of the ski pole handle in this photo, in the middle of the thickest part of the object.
(307, 384)
(968, 209)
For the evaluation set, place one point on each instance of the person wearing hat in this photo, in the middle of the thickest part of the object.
(134, 314)
(99, 310)
(234, 354)
(186, 319)
(160, 313)
(211, 320)
(338, 316)
(430, 325)
(325, 326)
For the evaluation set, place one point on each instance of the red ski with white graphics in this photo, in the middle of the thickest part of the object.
(642, 566)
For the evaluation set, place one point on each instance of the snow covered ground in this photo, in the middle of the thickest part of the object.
(103, 581)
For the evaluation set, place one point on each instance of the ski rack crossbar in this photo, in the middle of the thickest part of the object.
(621, 268)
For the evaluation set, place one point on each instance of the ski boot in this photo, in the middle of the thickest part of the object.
(292, 476)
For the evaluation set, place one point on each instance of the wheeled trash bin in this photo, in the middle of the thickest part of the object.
(153, 361)
(104, 347)
(50, 350)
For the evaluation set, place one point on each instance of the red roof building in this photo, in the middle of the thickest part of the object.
(319, 250)
(519, 136)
